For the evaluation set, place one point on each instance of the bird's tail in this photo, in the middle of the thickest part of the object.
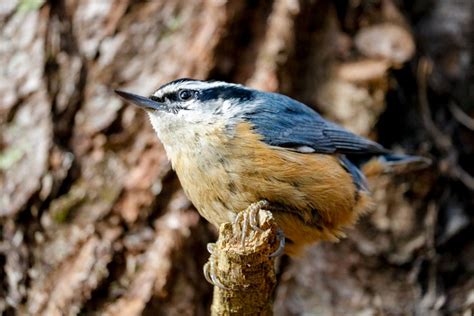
(394, 163)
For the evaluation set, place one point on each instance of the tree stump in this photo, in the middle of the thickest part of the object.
(246, 270)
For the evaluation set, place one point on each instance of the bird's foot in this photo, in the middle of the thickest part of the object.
(281, 246)
(248, 218)
(209, 269)
(247, 222)
(254, 231)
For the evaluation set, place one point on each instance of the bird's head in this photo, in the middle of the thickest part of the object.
(186, 107)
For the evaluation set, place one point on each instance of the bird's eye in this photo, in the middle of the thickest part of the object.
(185, 95)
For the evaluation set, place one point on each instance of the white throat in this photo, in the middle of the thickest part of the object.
(181, 137)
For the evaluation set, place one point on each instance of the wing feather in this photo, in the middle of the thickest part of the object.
(287, 123)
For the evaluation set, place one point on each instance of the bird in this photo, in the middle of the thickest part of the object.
(233, 146)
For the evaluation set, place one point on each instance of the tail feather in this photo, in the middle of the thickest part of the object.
(394, 163)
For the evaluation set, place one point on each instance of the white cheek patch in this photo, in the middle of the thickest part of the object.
(198, 112)
(163, 124)
(191, 116)
(154, 122)
(226, 106)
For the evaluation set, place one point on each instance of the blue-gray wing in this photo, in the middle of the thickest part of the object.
(285, 122)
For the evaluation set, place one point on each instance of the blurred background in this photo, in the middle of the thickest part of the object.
(93, 220)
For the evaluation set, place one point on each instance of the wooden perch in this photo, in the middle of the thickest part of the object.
(245, 270)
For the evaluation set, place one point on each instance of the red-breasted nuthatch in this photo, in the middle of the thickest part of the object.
(232, 146)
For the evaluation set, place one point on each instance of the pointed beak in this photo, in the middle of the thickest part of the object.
(140, 101)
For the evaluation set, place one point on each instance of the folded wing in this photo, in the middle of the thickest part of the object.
(284, 122)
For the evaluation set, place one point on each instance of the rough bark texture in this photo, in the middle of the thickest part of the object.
(246, 271)
(93, 220)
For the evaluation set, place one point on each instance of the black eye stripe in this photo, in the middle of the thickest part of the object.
(175, 96)
(209, 94)
(226, 92)
(156, 99)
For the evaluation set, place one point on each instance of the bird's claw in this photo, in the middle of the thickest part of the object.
(245, 222)
(209, 271)
(249, 218)
(281, 247)
(211, 247)
(253, 215)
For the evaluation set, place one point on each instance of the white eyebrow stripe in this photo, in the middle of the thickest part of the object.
(195, 85)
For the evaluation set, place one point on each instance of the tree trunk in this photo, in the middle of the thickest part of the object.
(93, 219)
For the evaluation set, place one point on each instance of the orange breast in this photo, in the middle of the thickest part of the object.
(229, 173)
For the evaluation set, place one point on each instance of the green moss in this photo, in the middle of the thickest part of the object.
(9, 157)
(89, 197)
(171, 25)
(174, 23)
(29, 5)
(62, 208)
(109, 194)
(61, 215)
